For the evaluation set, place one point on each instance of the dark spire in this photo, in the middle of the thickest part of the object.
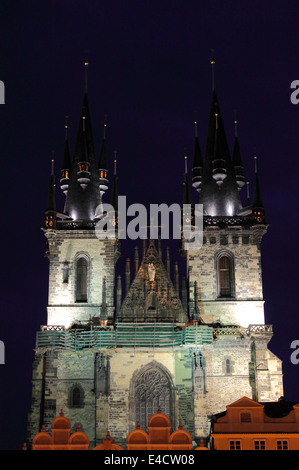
(187, 212)
(103, 154)
(237, 160)
(50, 212)
(85, 70)
(66, 163)
(257, 196)
(51, 202)
(257, 205)
(114, 194)
(102, 166)
(83, 196)
(197, 163)
(248, 194)
(219, 193)
(114, 199)
(187, 192)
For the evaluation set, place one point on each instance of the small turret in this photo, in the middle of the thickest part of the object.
(114, 195)
(197, 163)
(257, 205)
(186, 193)
(66, 164)
(102, 166)
(219, 162)
(187, 212)
(83, 169)
(50, 212)
(237, 161)
(248, 194)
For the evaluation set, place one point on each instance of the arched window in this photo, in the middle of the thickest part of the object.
(225, 276)
(81, 279)
(76, 396)
(150, 389)
(227, 366)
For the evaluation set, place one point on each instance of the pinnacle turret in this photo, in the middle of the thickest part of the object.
(197, 163)
(257, 204)
(102, 165)
(50, 212)
(237, 161)
(66, 164)
(187, 191)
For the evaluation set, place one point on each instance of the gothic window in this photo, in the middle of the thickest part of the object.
(152, 388)
(225, 275)
(76, 396)
(227, 366)
(81, 279)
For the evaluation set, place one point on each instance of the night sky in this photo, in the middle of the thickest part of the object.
(149, 71)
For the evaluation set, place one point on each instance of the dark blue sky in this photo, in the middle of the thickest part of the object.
(150, 73)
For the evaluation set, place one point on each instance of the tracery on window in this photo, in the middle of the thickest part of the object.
(152, 389)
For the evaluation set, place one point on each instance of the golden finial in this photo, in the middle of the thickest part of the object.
(186, 167)
(236, 124)
(85, 66)
(52, 163)
(66, 126)
(213, 69)
(83, 118)
(255, 163)
(115, 161)
(105, 125)
(216, 116)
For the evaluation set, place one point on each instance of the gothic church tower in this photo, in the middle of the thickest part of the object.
(109, 357)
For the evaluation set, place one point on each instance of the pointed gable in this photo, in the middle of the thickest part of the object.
(245, 402)
(152, 296)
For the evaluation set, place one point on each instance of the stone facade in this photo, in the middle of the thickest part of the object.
(110, 358)
(64, 249)
(245, 305)
(195, 375)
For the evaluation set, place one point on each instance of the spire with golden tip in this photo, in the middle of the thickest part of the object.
(237, 160)
(50, 212)
(257, 205)
(66, 163)
(197, 162)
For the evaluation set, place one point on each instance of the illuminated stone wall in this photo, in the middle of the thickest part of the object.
(246, 305)
(201, 383)
(64, 248)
